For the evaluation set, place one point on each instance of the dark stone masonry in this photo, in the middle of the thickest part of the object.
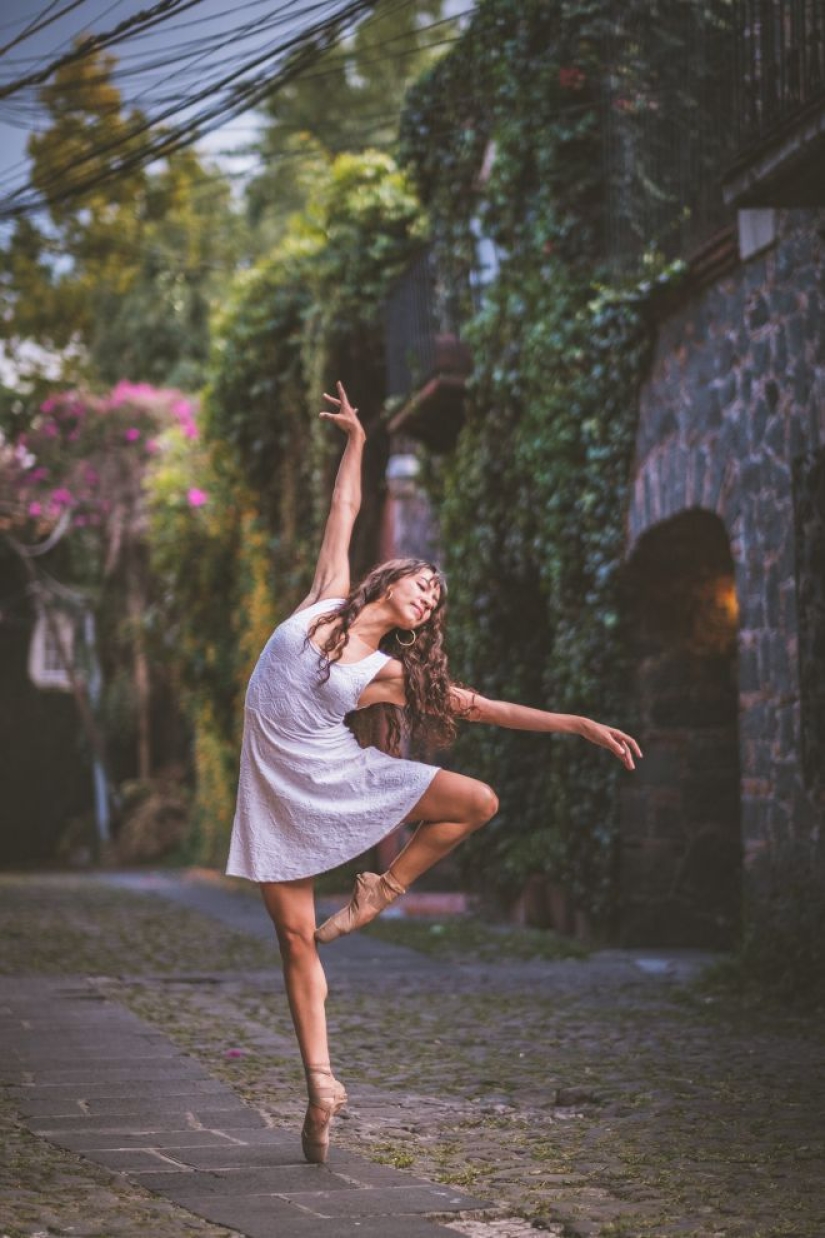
(726, 574)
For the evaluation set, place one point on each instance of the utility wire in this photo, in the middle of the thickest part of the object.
(40, 23)
(145, 19)
(234, 96)
(375, 46)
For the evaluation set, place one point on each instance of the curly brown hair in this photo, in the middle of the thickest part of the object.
(428, 716)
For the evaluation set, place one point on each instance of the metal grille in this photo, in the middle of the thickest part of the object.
(779, 65)
(668, 136)
(419, 308)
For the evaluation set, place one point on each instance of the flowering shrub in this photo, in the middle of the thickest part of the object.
(84, 458)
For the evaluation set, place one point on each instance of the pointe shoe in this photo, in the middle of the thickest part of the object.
(325, 1092)
(372, 893)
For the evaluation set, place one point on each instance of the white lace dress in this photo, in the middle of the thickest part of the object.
(309, 796)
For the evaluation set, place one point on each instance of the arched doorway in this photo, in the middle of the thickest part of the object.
(681, 849)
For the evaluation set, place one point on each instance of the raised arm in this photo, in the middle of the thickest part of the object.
(332, 569)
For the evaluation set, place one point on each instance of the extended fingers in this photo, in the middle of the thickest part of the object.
(630, 741)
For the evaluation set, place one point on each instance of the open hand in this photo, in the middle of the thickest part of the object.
(621, 745)
(344, 415)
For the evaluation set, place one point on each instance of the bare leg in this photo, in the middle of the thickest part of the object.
(291, 906)
(452, 808)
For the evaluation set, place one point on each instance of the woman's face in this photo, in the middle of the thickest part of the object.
(414, 598)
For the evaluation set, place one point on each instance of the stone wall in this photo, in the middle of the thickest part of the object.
(732, 421)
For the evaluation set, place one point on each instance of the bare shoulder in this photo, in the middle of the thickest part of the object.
(314, 599)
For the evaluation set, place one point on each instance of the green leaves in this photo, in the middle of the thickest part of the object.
(531, 503)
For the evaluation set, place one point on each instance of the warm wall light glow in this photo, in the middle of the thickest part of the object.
(726, 599)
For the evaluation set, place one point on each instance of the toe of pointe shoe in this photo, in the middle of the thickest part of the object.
(315, 1151)
(327, 931)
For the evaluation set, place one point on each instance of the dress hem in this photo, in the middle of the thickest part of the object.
(232, 871)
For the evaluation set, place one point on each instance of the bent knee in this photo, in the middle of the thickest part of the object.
(296, 940)
(484, 804)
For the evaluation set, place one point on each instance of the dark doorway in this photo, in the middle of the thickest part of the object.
(44, 767)
(681, 850)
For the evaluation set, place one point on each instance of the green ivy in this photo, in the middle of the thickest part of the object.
(532, 500)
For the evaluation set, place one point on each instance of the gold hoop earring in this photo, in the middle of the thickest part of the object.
(407, 643)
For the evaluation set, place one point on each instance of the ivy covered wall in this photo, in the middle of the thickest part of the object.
(532, 500)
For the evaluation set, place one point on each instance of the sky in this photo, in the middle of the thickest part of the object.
(210, 17)
(140, 82)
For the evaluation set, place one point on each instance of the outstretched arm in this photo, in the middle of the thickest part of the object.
(388, 688)
(476, 708)
(332, 569)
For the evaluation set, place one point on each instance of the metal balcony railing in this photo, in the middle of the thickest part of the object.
(779, 64)
(421, 330)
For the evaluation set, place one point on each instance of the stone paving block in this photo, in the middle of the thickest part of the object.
(264, 1216)
(369, 1173)
(224, 1119)
(235, 1156)
(62, 1059)
(82, 1141)
(389, 1201)
(111, 1107)
(268, 1217)
(133, 1161)
(92, 1073)
(223, 1103)
(274, 1180)
(107, 1126)
(92, 1091)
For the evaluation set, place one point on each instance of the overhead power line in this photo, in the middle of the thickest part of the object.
(177, 125)
(98, 42)
(40, 23)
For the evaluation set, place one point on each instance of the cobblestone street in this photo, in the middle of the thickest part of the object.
(490, 1094)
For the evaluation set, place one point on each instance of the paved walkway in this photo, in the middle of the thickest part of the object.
(152, 1084)
(90, 1076)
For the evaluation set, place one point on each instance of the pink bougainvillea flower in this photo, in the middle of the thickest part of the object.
(235, 1053)
(61, 497)
(39, 474)
(48, 405)
(35, 509)
(91, 476)
(50, 430)
(182, 409)
(125, 391)
(132, 434)
(196, 497)
(152, 446)
(190, 429)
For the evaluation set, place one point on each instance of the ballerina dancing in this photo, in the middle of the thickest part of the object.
(310, 797)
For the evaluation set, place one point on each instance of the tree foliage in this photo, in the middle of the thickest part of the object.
(348, 101)
(300, 318)
(123, 273)
(531, 502)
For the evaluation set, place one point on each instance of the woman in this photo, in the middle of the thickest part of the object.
(310, 797)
